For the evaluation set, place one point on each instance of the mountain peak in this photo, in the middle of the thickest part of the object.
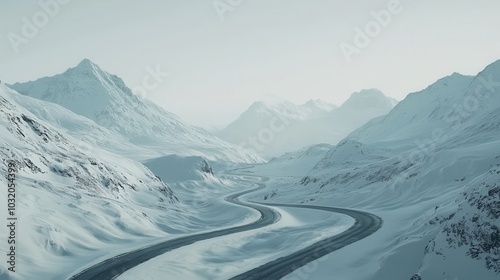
(86, 66)
(258, 105)
(271, 102)
(371, 92)
(319, 104)
(368, 98)
(85, 89)
(91, 92)
(86, 61)
(454, 76)
(454, 80)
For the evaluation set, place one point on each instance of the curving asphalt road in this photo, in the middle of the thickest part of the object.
(113, 267)
(365, 225)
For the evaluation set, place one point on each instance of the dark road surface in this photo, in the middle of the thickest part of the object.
(365, 225)
(112, 268)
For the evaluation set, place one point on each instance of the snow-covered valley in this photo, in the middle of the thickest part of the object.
(101, 173)
(429, 168)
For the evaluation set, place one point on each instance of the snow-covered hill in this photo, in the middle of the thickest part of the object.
(318, 150)
(81, 128)
(178, 169)
(274, 128)
(71, 201)
(91, 92)
(419, 113)
(468, 244)
(410, 166)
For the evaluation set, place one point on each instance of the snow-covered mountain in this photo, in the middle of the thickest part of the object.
(274, 128)
(318, 107)
(72, 201)
(361, 107)
(419, 113)
(91, 92)
(261, 115)
(468, 243)
(436, 149)
(81, 128)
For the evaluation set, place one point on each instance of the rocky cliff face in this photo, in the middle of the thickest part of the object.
(472, 233)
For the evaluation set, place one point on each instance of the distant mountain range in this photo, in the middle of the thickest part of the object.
(428, 165)
(434, 161)
(274, 128)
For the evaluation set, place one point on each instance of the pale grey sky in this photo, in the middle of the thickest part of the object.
(221, 60)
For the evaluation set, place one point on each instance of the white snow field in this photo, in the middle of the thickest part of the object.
(228, 256)
(72, 206)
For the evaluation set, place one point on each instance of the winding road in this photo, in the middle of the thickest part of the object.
(365, 225)
(113, 267)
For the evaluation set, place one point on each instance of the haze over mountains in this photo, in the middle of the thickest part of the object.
(272, 128)
(431, 169)
(429, 166)
(268, 128)
(103, 98)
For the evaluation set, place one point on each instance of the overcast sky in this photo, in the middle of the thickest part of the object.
(223, 55)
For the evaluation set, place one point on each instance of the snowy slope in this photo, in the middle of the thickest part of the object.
(468, 246)
(87, 131)
(91, 92)
(261, 115)
(423, 126)
(419, 113)
(71, 202)
(409, 167)
(273, 128)
(361, 107)
(318, 107)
